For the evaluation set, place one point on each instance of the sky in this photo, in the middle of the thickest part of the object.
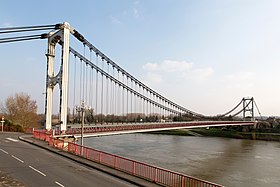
(205, 55)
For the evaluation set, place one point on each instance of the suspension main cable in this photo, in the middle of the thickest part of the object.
(56, 26)
(118, 81)
(88, 44)
(162, 99)
(25, 30)
(22, 38)
(243, 108)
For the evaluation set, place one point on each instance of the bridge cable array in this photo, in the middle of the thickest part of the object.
(113, 95)
(128, 87)
(16, 30)
(143, 90)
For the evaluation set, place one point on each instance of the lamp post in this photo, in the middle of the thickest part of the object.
(82, 109)
(3, 120)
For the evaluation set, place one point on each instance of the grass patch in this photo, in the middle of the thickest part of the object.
(221, 132)
(218, 132)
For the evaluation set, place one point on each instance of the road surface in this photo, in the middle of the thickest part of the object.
(34, 166)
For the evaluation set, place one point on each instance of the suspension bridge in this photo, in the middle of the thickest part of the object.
(96, 90)
(98, 97)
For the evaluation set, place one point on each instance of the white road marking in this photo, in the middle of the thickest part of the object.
(17, 158)
(4, 151)
(11, 139)
(58, 184)
(38, 171)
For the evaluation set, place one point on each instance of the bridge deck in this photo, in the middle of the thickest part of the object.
(105, 130)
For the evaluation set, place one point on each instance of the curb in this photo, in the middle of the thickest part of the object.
(102, 168)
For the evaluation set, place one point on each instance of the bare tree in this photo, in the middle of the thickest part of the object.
(21, 110)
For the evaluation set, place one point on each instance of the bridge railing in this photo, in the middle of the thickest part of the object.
(152, 126)
(59, 144)
(146, 171)
(41, 135)
(47, 136)
(149, 172)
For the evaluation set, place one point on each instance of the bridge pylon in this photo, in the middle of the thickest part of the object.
(248, 107)
(62, 37)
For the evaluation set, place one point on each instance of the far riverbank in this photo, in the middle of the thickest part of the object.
(220, 132)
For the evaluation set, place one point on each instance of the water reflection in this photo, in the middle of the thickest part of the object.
(230, 162)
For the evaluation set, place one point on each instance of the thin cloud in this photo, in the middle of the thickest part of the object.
(168, 66)
(115, 20)
(153, 77)
(135, 13)
(203, 73)
(240, 80)
(136, 6)
(176, 71)
(241, 76)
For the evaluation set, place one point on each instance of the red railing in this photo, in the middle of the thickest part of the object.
(149, 172)
(139, 169)
(153, 126)
(47, 136)
(60, 144)
(40, 134)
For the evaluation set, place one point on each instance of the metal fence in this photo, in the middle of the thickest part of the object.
(146, 171)
(113, 128)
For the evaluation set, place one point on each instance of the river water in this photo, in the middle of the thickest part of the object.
(230, 162)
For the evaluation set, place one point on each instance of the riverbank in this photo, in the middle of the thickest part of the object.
(219, 132)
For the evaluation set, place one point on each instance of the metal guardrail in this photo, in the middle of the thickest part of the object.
(139, 169)
(149, 172)
(154, 126)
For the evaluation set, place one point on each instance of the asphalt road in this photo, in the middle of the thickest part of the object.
(34, 166)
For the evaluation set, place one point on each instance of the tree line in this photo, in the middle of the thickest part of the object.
(20, 112)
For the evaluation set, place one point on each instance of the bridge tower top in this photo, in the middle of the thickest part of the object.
(248, 107)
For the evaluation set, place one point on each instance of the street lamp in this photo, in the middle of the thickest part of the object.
(82, 109)
(3, 121)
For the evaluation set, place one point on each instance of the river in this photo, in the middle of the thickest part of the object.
(230, 162)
